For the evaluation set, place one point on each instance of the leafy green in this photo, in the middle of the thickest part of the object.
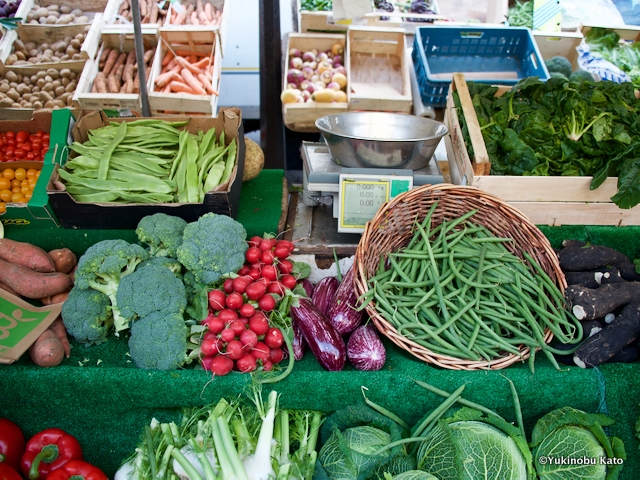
(561, 127)
(605, 43)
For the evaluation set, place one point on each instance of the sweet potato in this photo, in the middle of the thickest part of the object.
(113, 86)
(47, 350)
(60, 330)
(100, 83)
(23, 253)
(31, 284)
(8, 289)
(110, 62)
(63, 259)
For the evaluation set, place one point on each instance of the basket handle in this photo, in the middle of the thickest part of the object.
(480, 162)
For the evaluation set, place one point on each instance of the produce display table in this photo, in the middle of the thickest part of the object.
(100, 397)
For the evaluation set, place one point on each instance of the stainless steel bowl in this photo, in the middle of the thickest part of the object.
(381, 139)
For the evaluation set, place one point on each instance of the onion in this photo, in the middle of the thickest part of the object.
(365, 351)
(341, 70)
(295, 62)
(334, 85)
(323, 66)
(290, 95)
(322, 57)
(294, 52)
(309, 57)
(295, 76)
(307, 72)
(326, 76)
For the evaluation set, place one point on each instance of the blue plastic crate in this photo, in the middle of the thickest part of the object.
(447, 50)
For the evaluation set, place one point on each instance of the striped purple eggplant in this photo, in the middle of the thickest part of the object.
(365, 350)
(342, 311)
(324, 293)
(322, 338)
(298, 341)
(308, 287)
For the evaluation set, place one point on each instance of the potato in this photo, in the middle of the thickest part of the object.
(82, 19)
(65, 9)
(48, 79)
(59, 104)
(30, 17)
(64, 19)
(20, 56)
(42, 20)
(34, 22)
(70, 101)
(71, 87)
(13, 84)
(22, 88)
(35, 89)
(80, 37)
(40, 12)
(76, 12)
(53, 73)
(37, 105)
(33, 78)
(59, 91)
(51, 20)
(6, 102)
(56, 84)
(29, 46)
(27, 105)
(75, 43)
(18, 45)
(33, 53)
(41, 74)
(70, 50)
(16, 105)
(40, 83)
(55, 59)
(11, 59)
(64, 81)
(27, 96)
(76, 56)
(73, 75)
(49, 104)
(65, 73)
(48, 52)
(44, 46)
(53, 8)
(13, 94)
(34, 60)
(48, 87)
(4, 87)
(11, 76)
(60, 47)
(64, 58)
(54, 13)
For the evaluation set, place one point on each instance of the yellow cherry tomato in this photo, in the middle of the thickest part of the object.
(3, 207)
(17, 197)
(15, 183)
(5, 183)
(16, 190)
(20, 173)
(31, 172)
(27, 196)
(25, 190)
(5, 195)
(9, 173)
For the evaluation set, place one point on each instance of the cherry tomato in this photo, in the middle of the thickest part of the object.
(45, 136)
(11, 134)
(29, 156)
(26, 147)
(19, 153)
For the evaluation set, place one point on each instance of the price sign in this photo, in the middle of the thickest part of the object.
(361, 196)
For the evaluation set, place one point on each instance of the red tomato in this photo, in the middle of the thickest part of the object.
(19, 153)
(26, 147)
(45, 136)
(11, 134)
(29, 156)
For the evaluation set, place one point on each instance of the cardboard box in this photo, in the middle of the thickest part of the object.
(73, 214)
(38, 212)
(545, 200)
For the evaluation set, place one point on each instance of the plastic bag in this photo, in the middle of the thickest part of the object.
(600, 68)
(598, 12)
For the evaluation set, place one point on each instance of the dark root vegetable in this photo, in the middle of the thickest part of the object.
(365, 351)
(588, 303)
(589, 257)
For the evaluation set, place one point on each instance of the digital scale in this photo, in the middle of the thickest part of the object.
(356, 194)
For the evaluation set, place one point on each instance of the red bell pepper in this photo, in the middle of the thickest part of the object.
(48, 450)
(11, 443)
(8, 473)
(77, 470)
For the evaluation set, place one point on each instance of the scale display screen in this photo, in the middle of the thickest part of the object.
(362, 196)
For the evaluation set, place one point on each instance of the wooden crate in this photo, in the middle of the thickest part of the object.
(545, 200)
(378, 70)
(115, 23)
(399, 19)
(100, 101)
(44, 33)
(221, 29)
(628, 33)
(301, 117)
(161, 103)
(551, 44)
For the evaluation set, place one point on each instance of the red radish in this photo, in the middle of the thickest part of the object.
(228, 285)
(267, 302)
(267, 366)
(269, 272)
(266, 244)
(255, 290)
(217, 299)
(254, 273)
(259, 324)
(209, 346)
(267, 257)
(260, 351)
(247, 310)
(276, 355)
(249, 338)
(288, 281)
(252, 255)
(246, 363)
(238, 326)
(281, 253)
(273, 338)
(209, 334)
(216, 325)
(244, 270)
(227, 335)
(254, 241)
(210, 316)
(240, 283)
(277, 288)
(221, 365)
(285, 267)
(285, 244)
(227, 315)
(206, 362)
(234, 300)
(234, 350)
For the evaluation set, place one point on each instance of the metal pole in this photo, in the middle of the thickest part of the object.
(142, 73)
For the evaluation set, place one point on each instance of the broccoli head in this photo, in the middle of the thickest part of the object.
(159, 341)
(212, 246)
(559, 75)
(103, 266)
(559, 64)
(149, 290)
(162, 232)
(580, 76)
(87, 315)
(171, 263)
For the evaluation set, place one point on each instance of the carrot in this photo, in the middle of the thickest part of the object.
(26, 254)
(180, 18)
(187, 53)
(189, 66)
(207, 84)
(166, 78)
(47, 350)
(204, 63)
(194, 19)
(208, 10)
(60, 330)
(167, 58)
(192, 81)
(180, 87)
(170, 65)
(167, 88)
(110, 62)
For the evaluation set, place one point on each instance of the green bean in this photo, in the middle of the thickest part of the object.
(191, 172)
(103, 168)
(427, 424)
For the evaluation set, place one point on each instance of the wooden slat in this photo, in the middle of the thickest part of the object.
(575, 213)
(481, 163)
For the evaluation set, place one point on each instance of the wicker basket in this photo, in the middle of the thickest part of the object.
(391, 229)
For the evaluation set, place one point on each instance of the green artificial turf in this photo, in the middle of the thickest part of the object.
(101, 398)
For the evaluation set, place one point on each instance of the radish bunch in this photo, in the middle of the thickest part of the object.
(239, 336)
